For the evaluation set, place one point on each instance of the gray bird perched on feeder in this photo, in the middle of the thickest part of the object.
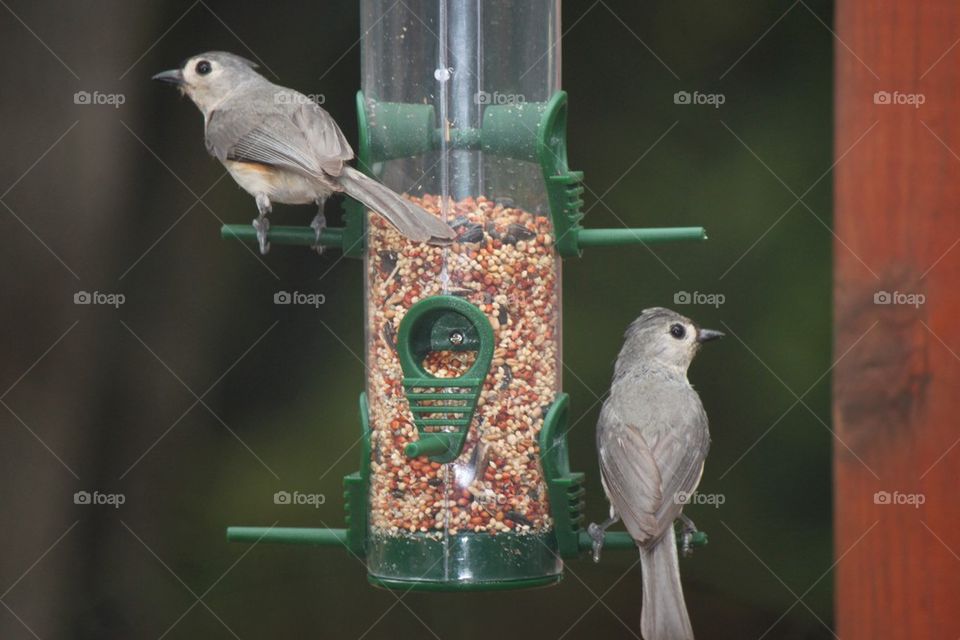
(280, 146)
(652, 440)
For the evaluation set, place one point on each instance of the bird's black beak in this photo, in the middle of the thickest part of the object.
(706, 335)
(173, 76)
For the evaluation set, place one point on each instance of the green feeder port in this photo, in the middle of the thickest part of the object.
(464, 481)
(443, 408)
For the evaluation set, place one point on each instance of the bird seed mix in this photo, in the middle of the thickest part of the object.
(503, 262)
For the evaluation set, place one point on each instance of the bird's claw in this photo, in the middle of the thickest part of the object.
(595, 532)
(318, 224)
(262, 226)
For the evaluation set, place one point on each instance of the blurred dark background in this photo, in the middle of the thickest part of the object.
(198, 398)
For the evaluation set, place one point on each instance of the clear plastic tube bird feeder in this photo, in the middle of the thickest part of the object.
(464, 480)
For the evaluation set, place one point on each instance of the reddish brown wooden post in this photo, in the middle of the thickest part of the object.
(897, 390)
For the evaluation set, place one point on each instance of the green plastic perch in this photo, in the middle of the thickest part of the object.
(337, 537)
(300, 236)
(616, 237)
(288, 535)
(622, 540)
(428, 446)
(333, 237)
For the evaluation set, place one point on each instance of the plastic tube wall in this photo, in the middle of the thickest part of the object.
(439, 80)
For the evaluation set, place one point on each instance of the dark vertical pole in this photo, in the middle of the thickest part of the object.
(897, 385)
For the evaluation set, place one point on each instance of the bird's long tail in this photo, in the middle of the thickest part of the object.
(409, 219)
(664, 613)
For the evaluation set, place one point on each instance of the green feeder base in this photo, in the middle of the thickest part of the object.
(505, 585)
(463, 562)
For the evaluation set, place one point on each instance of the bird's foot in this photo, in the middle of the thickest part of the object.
(318, 224)
(686, 537)
(596, 533)
(262, 226)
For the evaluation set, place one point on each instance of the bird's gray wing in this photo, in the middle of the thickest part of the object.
(281, 128)
(324, 136)
(631, 476)
(680, 450)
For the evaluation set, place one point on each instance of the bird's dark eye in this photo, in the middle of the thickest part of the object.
(204, 67)
(677, 331)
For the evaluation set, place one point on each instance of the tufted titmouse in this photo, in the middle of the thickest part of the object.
(282, 147)
(652, 440)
